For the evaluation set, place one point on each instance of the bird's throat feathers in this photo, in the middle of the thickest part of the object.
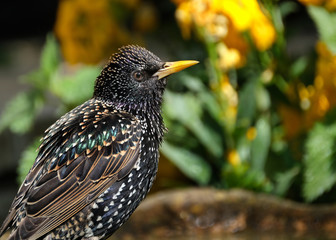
(148, 113)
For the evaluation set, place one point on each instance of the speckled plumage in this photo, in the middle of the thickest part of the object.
(97, 162)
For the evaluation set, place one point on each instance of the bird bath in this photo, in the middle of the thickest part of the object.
(206, 213)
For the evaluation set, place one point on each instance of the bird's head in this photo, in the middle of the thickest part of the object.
(134, 77)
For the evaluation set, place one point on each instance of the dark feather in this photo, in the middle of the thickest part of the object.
(94, 146)
(97, 163)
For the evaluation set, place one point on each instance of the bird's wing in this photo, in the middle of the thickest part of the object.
(79, 158)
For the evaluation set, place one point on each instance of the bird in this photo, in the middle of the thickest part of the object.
(97, 162)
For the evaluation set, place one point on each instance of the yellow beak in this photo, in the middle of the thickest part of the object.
(173, 67)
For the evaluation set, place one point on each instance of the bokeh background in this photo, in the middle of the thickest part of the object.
(257, 113)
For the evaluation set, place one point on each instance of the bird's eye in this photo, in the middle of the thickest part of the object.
(138, 76)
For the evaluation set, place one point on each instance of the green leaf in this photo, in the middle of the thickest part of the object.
(186, 108)
(247, 102)
(284, 180)
(77, 88)
(183, 107)
(326, 25)
(37, 79)
(204, 95)
(211, 105)
(50, 58)
(319, 161)
(49, 62)
(299, 66)
(263, 99)
(191, 82)
(242, 176)
(261, 144)
(20, 112)
(190, 164)
(287, 8)
(27, 160)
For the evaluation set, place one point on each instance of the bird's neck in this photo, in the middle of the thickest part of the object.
(149, 115)
(150, 118)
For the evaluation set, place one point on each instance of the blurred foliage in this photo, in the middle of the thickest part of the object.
(252, 116)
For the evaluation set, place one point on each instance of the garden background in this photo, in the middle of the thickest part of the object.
(257, 113)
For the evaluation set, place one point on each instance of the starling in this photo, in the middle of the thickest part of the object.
(98, 161)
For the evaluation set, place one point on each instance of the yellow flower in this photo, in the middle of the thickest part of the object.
(263, 33)
(328, 4)
(251, 133)
(292, 120)
(184, 18)
(229, 57)
(236, 44)
(228, 91)
(86, 30)
(228, 98)
(316, 99)
(216, 25)
(237, 11)
(226, 22)
(233, 157)
(246, 15)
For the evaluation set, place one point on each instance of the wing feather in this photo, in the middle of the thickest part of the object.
(74, 166)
